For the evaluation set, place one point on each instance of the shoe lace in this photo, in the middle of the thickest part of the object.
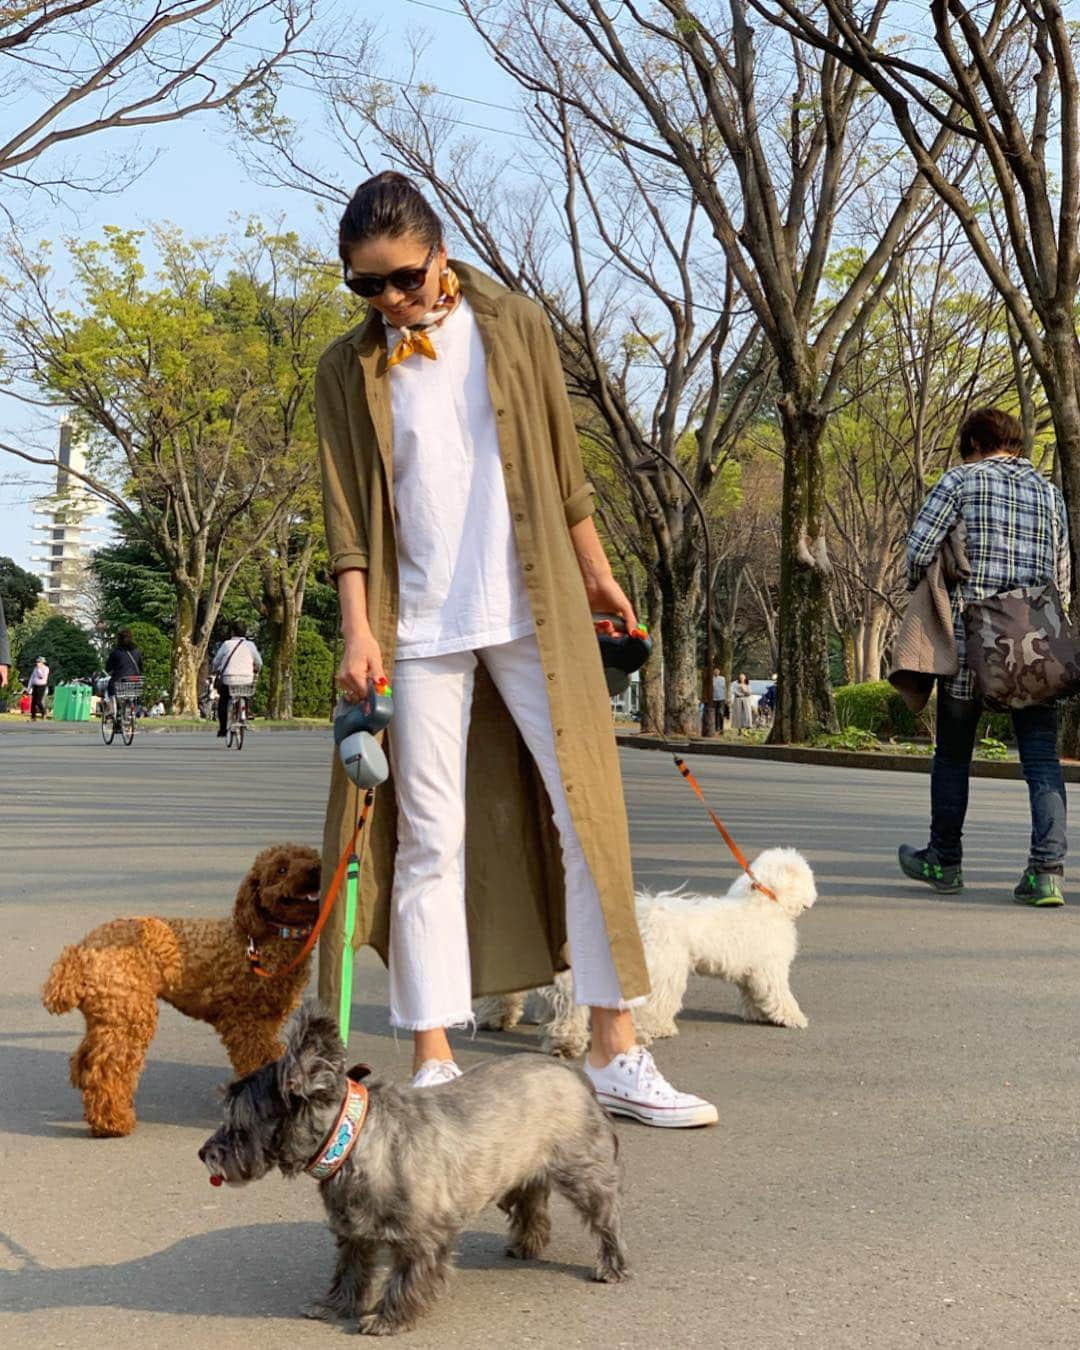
(647, 1077)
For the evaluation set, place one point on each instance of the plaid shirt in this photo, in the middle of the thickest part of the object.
(1017, 535)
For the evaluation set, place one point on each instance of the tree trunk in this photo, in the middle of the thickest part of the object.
(1063, 397)
(679, 643)
(652, 673)
(282, 633)
(804, 705)
(184, 696)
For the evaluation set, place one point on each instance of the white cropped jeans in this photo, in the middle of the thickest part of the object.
(430, 978)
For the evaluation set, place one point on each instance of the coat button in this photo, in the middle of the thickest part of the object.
(540, 623)
(509, 464)
(558, 731)
(519, 515)
(502, 412)
(528, 567)
(569, 787)
(551, 676)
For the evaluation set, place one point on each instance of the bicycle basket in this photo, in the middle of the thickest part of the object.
(129, 688)
(240, 690)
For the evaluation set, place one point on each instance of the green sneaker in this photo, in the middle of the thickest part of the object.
(922, 865)
(1041, 889)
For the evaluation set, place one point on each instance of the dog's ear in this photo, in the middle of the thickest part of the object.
(245, 911)
(358, 1072)
(313, 1064)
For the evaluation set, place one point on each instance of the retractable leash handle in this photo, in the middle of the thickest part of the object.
(364, 761)
(622, 651)
(355, 728)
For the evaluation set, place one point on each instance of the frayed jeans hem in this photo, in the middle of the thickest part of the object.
(622, 1005)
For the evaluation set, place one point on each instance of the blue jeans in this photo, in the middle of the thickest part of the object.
(1036, 737)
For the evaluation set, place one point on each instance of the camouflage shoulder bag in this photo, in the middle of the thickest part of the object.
(1021, 647)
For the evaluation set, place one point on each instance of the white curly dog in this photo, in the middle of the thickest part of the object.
(744, 937)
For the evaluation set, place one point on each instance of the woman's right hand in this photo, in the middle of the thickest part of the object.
(361, 661)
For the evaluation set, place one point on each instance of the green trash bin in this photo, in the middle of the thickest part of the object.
(61, 703)
(81, 705)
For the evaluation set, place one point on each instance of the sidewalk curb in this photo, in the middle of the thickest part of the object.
(837, 759)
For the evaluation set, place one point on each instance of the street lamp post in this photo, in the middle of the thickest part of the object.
(708, 710)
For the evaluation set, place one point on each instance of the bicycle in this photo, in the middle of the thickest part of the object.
(238, 701)
(122, 719)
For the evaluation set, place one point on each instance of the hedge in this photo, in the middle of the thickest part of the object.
(878, 708)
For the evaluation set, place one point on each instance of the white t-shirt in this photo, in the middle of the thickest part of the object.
(460, 578)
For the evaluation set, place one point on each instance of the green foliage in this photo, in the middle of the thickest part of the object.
(67, 649)
(313, 675)
(156, 651)
(875, 707)
(133, 582)
(992, 749)
(850, 738)
(19, 589)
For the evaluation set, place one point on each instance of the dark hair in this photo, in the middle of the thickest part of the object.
(989, 429)
(387, 205)
(237, 629)
(124, 638)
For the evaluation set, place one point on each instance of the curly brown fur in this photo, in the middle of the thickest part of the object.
(426, 1161)
(117, 973)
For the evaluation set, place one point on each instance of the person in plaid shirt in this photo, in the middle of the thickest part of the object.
(1017, 534)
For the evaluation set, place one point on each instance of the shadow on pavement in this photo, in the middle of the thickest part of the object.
(223, 1273)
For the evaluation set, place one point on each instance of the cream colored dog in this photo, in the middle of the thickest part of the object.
(744, 937)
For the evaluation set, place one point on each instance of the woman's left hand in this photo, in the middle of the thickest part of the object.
(606, 596)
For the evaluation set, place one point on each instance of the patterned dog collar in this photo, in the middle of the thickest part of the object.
(338, 1144)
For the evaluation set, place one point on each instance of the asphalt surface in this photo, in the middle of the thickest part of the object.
(903, 1173)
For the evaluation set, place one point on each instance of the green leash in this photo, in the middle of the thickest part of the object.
(352, 884)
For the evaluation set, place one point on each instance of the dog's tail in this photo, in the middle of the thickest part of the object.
(66, 985)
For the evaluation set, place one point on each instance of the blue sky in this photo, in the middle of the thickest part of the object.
(197, 182)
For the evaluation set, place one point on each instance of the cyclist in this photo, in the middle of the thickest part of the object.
(124, 663)
(236, 661)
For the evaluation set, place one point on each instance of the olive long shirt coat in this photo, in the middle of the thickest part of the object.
(515, 893)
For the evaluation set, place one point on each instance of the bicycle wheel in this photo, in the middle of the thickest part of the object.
(238, 743)
(127, 723)
(108, 726)
(229, 737)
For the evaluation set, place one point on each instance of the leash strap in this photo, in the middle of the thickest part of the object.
(349, 856)
(736, 851)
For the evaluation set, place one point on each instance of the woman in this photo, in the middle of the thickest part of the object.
(124, 663)
(742, 705)
(460, 530)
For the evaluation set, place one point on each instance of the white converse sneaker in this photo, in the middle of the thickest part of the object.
(435, 1071)
(632, 1085)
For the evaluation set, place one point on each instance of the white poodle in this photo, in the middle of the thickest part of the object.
(744, 937)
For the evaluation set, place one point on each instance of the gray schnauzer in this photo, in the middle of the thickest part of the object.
(408, 1167)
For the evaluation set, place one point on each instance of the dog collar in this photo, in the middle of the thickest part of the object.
(338, 1144)
(293, 933)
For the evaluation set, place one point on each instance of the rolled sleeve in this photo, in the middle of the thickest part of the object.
(580, 505)
(344, 508)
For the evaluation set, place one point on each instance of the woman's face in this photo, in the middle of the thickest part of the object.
(382, 256)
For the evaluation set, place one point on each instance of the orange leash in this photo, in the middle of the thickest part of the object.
(736, 851)
(327, 904)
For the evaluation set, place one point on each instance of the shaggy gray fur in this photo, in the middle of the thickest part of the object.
(426, 1162)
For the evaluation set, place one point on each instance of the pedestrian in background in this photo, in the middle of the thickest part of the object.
(5, 648)
(718, 698)
(39, 687)
(742, 705)
(1016, 534)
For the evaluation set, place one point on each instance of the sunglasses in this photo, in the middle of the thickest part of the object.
(368, 284)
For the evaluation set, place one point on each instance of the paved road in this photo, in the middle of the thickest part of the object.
(901, 1174)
